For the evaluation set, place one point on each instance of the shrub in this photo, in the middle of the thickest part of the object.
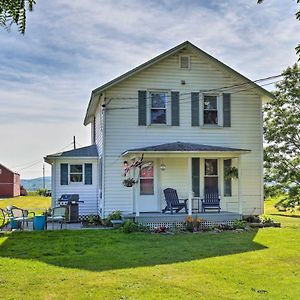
(252, 219)
(239, 224)
(225, 227)
(266, 220)
(129, 227)
(115, 215)
(42, 192)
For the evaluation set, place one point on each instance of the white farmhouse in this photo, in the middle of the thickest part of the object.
(182, 120)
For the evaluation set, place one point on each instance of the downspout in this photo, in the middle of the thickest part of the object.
(103, 159)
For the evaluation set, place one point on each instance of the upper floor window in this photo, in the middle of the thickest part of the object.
(158, 108)
(184, 62)
(210, 110)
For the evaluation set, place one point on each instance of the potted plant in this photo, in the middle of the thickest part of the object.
(116, 218)
(129, 182)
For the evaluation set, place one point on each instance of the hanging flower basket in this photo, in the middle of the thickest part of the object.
(232, 173)
(129, 182)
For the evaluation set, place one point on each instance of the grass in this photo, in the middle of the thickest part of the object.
(107, 264)
(32, 202)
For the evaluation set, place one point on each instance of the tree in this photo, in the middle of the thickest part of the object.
(14, 11)
(282, 135)
(297, 17)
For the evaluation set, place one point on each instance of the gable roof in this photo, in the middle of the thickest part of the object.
(88, 151)
(93, 102)
(183, 147)
(6, 168)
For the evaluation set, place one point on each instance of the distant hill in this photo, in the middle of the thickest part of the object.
(36, 183)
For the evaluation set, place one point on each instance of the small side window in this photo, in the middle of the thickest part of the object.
(184, 62)
(76, 172)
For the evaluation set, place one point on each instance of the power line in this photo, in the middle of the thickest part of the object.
(35, 162)
(188, 99)
(209, 90)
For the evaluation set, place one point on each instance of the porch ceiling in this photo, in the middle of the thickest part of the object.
(181, 148)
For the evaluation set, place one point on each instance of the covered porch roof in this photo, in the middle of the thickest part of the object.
(182, 147)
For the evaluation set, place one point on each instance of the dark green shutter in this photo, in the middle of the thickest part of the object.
(142, 109)
(175, 108)
(88, 174)
(64, 174)
(195, 108)
(226, 110)
(227, 182)
(196, 176)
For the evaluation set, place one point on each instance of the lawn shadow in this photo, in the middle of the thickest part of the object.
(101, 250)
(285, 215)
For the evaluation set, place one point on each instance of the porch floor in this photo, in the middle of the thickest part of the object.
(158, 217)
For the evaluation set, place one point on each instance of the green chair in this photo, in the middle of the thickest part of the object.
(58, 214)
(20, 215)
(4, 218)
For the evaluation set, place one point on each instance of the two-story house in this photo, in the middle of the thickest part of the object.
(182, 120)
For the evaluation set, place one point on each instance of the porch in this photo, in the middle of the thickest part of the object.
(157, 219)
(193, 170)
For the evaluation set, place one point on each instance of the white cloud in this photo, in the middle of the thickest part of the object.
(71, 47)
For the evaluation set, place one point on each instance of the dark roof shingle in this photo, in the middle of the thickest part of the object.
(185, 147)
(88, 151)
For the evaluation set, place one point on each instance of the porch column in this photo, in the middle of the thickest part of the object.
(190, 187)
(240, 205)
(135, 196)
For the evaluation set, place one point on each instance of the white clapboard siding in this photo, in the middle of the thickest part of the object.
(87, 192)
(122, 131)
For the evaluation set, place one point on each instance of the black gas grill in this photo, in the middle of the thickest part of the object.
(71, 201)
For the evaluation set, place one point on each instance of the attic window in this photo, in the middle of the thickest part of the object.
(184, 62)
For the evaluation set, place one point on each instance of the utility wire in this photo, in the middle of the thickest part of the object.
(219, 89)
(35, 162)
(188, 99)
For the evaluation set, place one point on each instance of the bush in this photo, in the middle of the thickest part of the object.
(266, 220)
(42, 192)
(239, 224)
(129, 227)
(252, 219)
(115, 215)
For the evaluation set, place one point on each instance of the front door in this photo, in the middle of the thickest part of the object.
(148, 201)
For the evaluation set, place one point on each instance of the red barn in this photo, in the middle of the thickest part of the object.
(9, 182)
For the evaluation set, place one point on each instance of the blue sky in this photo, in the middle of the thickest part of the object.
(72, 47)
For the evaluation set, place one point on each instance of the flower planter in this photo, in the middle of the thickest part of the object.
(117, 223)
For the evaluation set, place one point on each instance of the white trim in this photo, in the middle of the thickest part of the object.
(190, 185)
(219, 110)
(240, 206)
(167, 108)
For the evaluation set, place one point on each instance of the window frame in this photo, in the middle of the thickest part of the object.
(189, 62)
(82, 173)
(219, 110)
(167, 107)
(153, 179)
(212, 176)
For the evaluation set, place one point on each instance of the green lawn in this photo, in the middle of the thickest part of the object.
(107, 264)
(32, 203)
